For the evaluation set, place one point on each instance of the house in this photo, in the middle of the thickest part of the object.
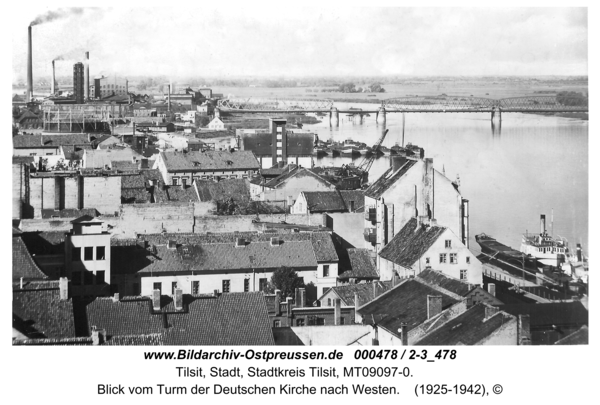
(74, 152)
(474, 293)
(400, 310)
(42, 309)
(354, 294)
(107, 141)
(481, 325)
(410, 188)
(238, 319)
(329, 201)
(362, 267)
(182, 168)
(288, 186)
(47, 145)
(279, 144)
(216, 125)
(225, 262)
(419, 246)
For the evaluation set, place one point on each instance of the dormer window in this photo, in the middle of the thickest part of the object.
(196, 164)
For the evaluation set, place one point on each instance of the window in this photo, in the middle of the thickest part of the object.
(76, 255)
(184, 181)
(157, 286)
(175, 181)
(325, 270)
(463, 275)
(342, 321)
(76, 277)
(351, 206)
(100, 277)
(276, 323)
(246, 284)
(88, 253)
(468, 260)
(88, 278)
(299, 322)
(442, 257)
(173, 287)
(427, 260)
(453, 258)
(195, 287)
(328, 302)
(448, 243)
(262, 284)
(100, 253)
(226, 286)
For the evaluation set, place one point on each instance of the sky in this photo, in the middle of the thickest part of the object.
(310, 41)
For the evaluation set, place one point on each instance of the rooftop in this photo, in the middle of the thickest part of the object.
(298, 172)
(23, 264)
(548, 314)
(579, 337)
(387, 179)
(209, 160)
(99, 158)
(40, 141)
(364, 291)
(449, 283)
(411, 243)
(362, 265)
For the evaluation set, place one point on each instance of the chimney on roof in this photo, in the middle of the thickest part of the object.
(63, 286)
(215, 293)
(115, 298)
(357, 317)
(178, 299)
(21, 283)
(337, 311)
(404, 333)
(490, 311)
(288, 302)
(275, 241)
(172, 245)
(524, 330)
(240, 242)
(156, 300)
(277, 302)
(98, 336)
(434, 305)
(491, 287)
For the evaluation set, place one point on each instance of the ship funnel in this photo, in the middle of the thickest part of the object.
(542, 224)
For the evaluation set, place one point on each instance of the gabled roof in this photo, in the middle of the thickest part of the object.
(297, 172)
(324, 201)
(406, 302)
(39, 141)
(387, 179)
(209, 160)
(39, 312)
(362, 265)
(449, 283)
(77, 150)
(23, 264)
(411, 243)
(548, 314)
(468, 328)
(364, 291)
(86, 219)
(99, 158)
(230, 319)
(238, 189)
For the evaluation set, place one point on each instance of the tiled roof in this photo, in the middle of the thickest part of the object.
(364, 291)
(23, 264)
(406, 302)
(39, 243)
(210, 160)
(297, 172)
(152, 339)
(179, 193)
(238, 189)
(99, 158)
(579, 337)
(230, 319)
(449, 283)
(277, 171)
(358, 196)
(68, 213)
(411, 243)
(323, 247)
(75, 151)
(37, 141)
(469, 328)
(362, 265)
(123, 165)
(324, 201)
(547, 314)
(39, 312)
(385, 181)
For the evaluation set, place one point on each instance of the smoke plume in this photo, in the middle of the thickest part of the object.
(58, 14)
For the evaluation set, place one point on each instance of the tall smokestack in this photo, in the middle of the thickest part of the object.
(169, 98)
(542, 224)
(86, 79)
(29, 94)
(52, 85)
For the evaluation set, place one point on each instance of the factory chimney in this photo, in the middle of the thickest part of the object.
(86, 80)
(29, 95)
(53, 83)
(542, 224)
(169, 98)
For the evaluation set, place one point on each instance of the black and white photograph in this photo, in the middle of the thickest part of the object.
(228, 184)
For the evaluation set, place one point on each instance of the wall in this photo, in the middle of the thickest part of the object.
(36, 151)
(41, 195)
(94, 266)
(58, 225)
(71, 192)
(349, 225)
(102, 193)
(20, 177)
(153, 218)
(243, 223)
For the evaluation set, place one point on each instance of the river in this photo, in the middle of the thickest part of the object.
(529, 166)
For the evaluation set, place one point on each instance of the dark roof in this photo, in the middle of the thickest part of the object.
(469, 328)
(358, 196)
(39, 312)
(407, 302)
(134, 188)
(297, 172)
(548, 314)
(411, 243)
(77, 150)
(449, 283)
(179, 193)
(210, 160)
(579, 337)
(385, 181)
(238, 189)
(324, 201)
(38, 141)
(364, 291)
(362, 265)
(69, 213)
(23, 264)
(230, 319)
(277, 171)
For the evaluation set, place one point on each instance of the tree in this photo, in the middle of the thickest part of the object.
(286, 280)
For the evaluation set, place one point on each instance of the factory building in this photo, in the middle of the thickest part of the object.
(110, 86)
